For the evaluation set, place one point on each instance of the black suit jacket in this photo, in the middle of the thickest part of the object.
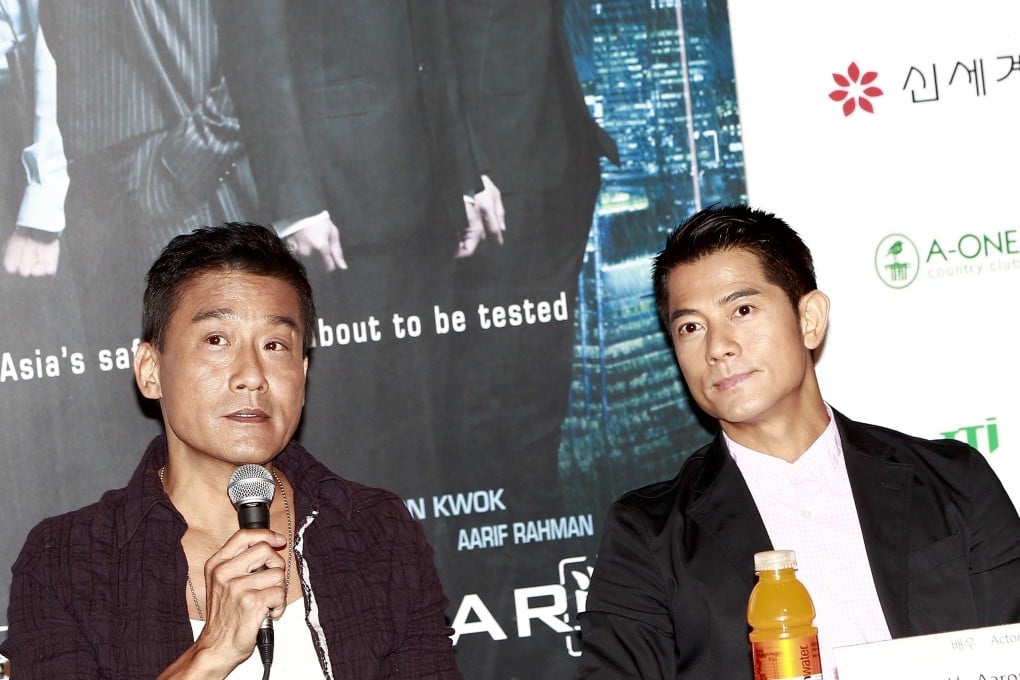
(144, 111)
(350, 107)
(532, 128)
(669, 593)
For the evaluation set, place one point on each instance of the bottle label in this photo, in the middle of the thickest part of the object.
(790, 659)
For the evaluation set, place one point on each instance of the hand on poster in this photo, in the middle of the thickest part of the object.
(321, 236)
(26, 256)
(485, 217)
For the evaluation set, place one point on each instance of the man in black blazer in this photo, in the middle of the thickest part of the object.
(938, 538)
(534, 136)
(351, 117)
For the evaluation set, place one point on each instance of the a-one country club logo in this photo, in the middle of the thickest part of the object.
(897, 261)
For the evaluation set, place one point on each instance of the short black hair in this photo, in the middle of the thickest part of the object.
(785, 259)
(233, 246)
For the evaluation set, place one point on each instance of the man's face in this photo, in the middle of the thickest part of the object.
(743, 349)
(231, 375)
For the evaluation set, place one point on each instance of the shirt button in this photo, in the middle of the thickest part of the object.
(806, 514)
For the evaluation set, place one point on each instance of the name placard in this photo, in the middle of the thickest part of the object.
(991, 653)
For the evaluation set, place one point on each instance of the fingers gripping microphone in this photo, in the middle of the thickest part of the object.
(251, 490)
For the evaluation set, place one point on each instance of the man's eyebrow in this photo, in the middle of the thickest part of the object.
(725, 300)
(221, 313)
(677, 313)
(283, 320)
(226, 313)
(739, 295)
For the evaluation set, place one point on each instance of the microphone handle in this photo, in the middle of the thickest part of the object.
(256, 516)
(253, 515)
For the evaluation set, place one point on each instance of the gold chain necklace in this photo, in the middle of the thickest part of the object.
(290, 547)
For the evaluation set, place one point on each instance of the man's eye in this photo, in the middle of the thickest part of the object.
(744, 310)
(275, 346)
(685, 328)
(216, 340)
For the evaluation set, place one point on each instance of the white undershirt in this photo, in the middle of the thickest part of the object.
(807, 506)
(293, 652)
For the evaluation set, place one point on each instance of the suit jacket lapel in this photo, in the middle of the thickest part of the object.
(881, 490)
(722, 506)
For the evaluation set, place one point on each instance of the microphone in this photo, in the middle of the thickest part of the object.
(251, 489)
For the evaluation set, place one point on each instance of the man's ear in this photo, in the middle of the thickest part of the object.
(146, 367)
(814, 318)
(304, 392)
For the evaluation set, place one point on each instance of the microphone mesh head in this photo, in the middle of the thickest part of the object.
(251, 484)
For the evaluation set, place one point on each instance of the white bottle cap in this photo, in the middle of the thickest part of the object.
(773, 560)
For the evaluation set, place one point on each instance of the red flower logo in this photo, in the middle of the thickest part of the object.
(855, 89)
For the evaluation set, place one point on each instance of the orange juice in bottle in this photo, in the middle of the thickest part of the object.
(784, 640)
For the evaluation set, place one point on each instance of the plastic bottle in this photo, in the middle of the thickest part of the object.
(784, 640)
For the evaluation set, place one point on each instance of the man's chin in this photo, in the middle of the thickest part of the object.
(738, 416)
(243, 453)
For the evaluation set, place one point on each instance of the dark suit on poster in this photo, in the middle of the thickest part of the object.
(676, 561)
(153, 150)
(536, 139)
(148, 124)
(40, 314)
(349, 107)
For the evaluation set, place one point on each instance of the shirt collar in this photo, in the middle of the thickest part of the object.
(313, 484)
(820, 461)
(144, 493)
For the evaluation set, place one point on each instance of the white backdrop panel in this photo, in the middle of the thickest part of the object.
(932, 168)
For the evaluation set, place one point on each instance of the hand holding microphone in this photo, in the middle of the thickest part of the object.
(244, 579)
(251, 489)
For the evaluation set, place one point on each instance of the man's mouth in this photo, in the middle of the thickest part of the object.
(249, 415)
(731, 381)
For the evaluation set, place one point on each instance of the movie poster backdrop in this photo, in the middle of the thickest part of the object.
(508, 384)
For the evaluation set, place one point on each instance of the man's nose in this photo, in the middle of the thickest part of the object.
(721, 343)
(249, 371)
